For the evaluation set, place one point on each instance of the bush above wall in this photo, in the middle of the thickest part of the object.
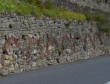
(47, 8)
(39, 9)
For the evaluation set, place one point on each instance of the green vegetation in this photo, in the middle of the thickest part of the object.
(10, 26)
(96, 17)
(103, 24)
(104, 28)
(39, 9)
(102, 21)
(67, 24)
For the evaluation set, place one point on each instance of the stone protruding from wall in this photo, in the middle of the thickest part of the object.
(28, 43)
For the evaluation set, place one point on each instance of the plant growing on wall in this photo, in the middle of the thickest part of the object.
(38, 8)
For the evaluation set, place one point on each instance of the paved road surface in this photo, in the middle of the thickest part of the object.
(94, 71)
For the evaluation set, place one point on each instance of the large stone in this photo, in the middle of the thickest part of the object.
(86, 57)
(16, 66)
(34, 51)
(11, 68)
(30, 35)
(2, 41)
(1, 66)
(68, 50)
(4, 72)
(50, 48)
(6, 62)
(11, 58)
(34, 64)
(6, 57)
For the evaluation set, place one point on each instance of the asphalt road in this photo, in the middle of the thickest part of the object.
(93, 71)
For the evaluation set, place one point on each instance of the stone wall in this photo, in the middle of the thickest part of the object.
(28, 43)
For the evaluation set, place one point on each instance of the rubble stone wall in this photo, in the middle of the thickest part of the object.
(28, 43)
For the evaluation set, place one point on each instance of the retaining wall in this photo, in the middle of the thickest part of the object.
(28, 43)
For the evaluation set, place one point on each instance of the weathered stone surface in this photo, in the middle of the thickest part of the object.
(11, 68)
(37, 43)
(4, 72)
(1, 66)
